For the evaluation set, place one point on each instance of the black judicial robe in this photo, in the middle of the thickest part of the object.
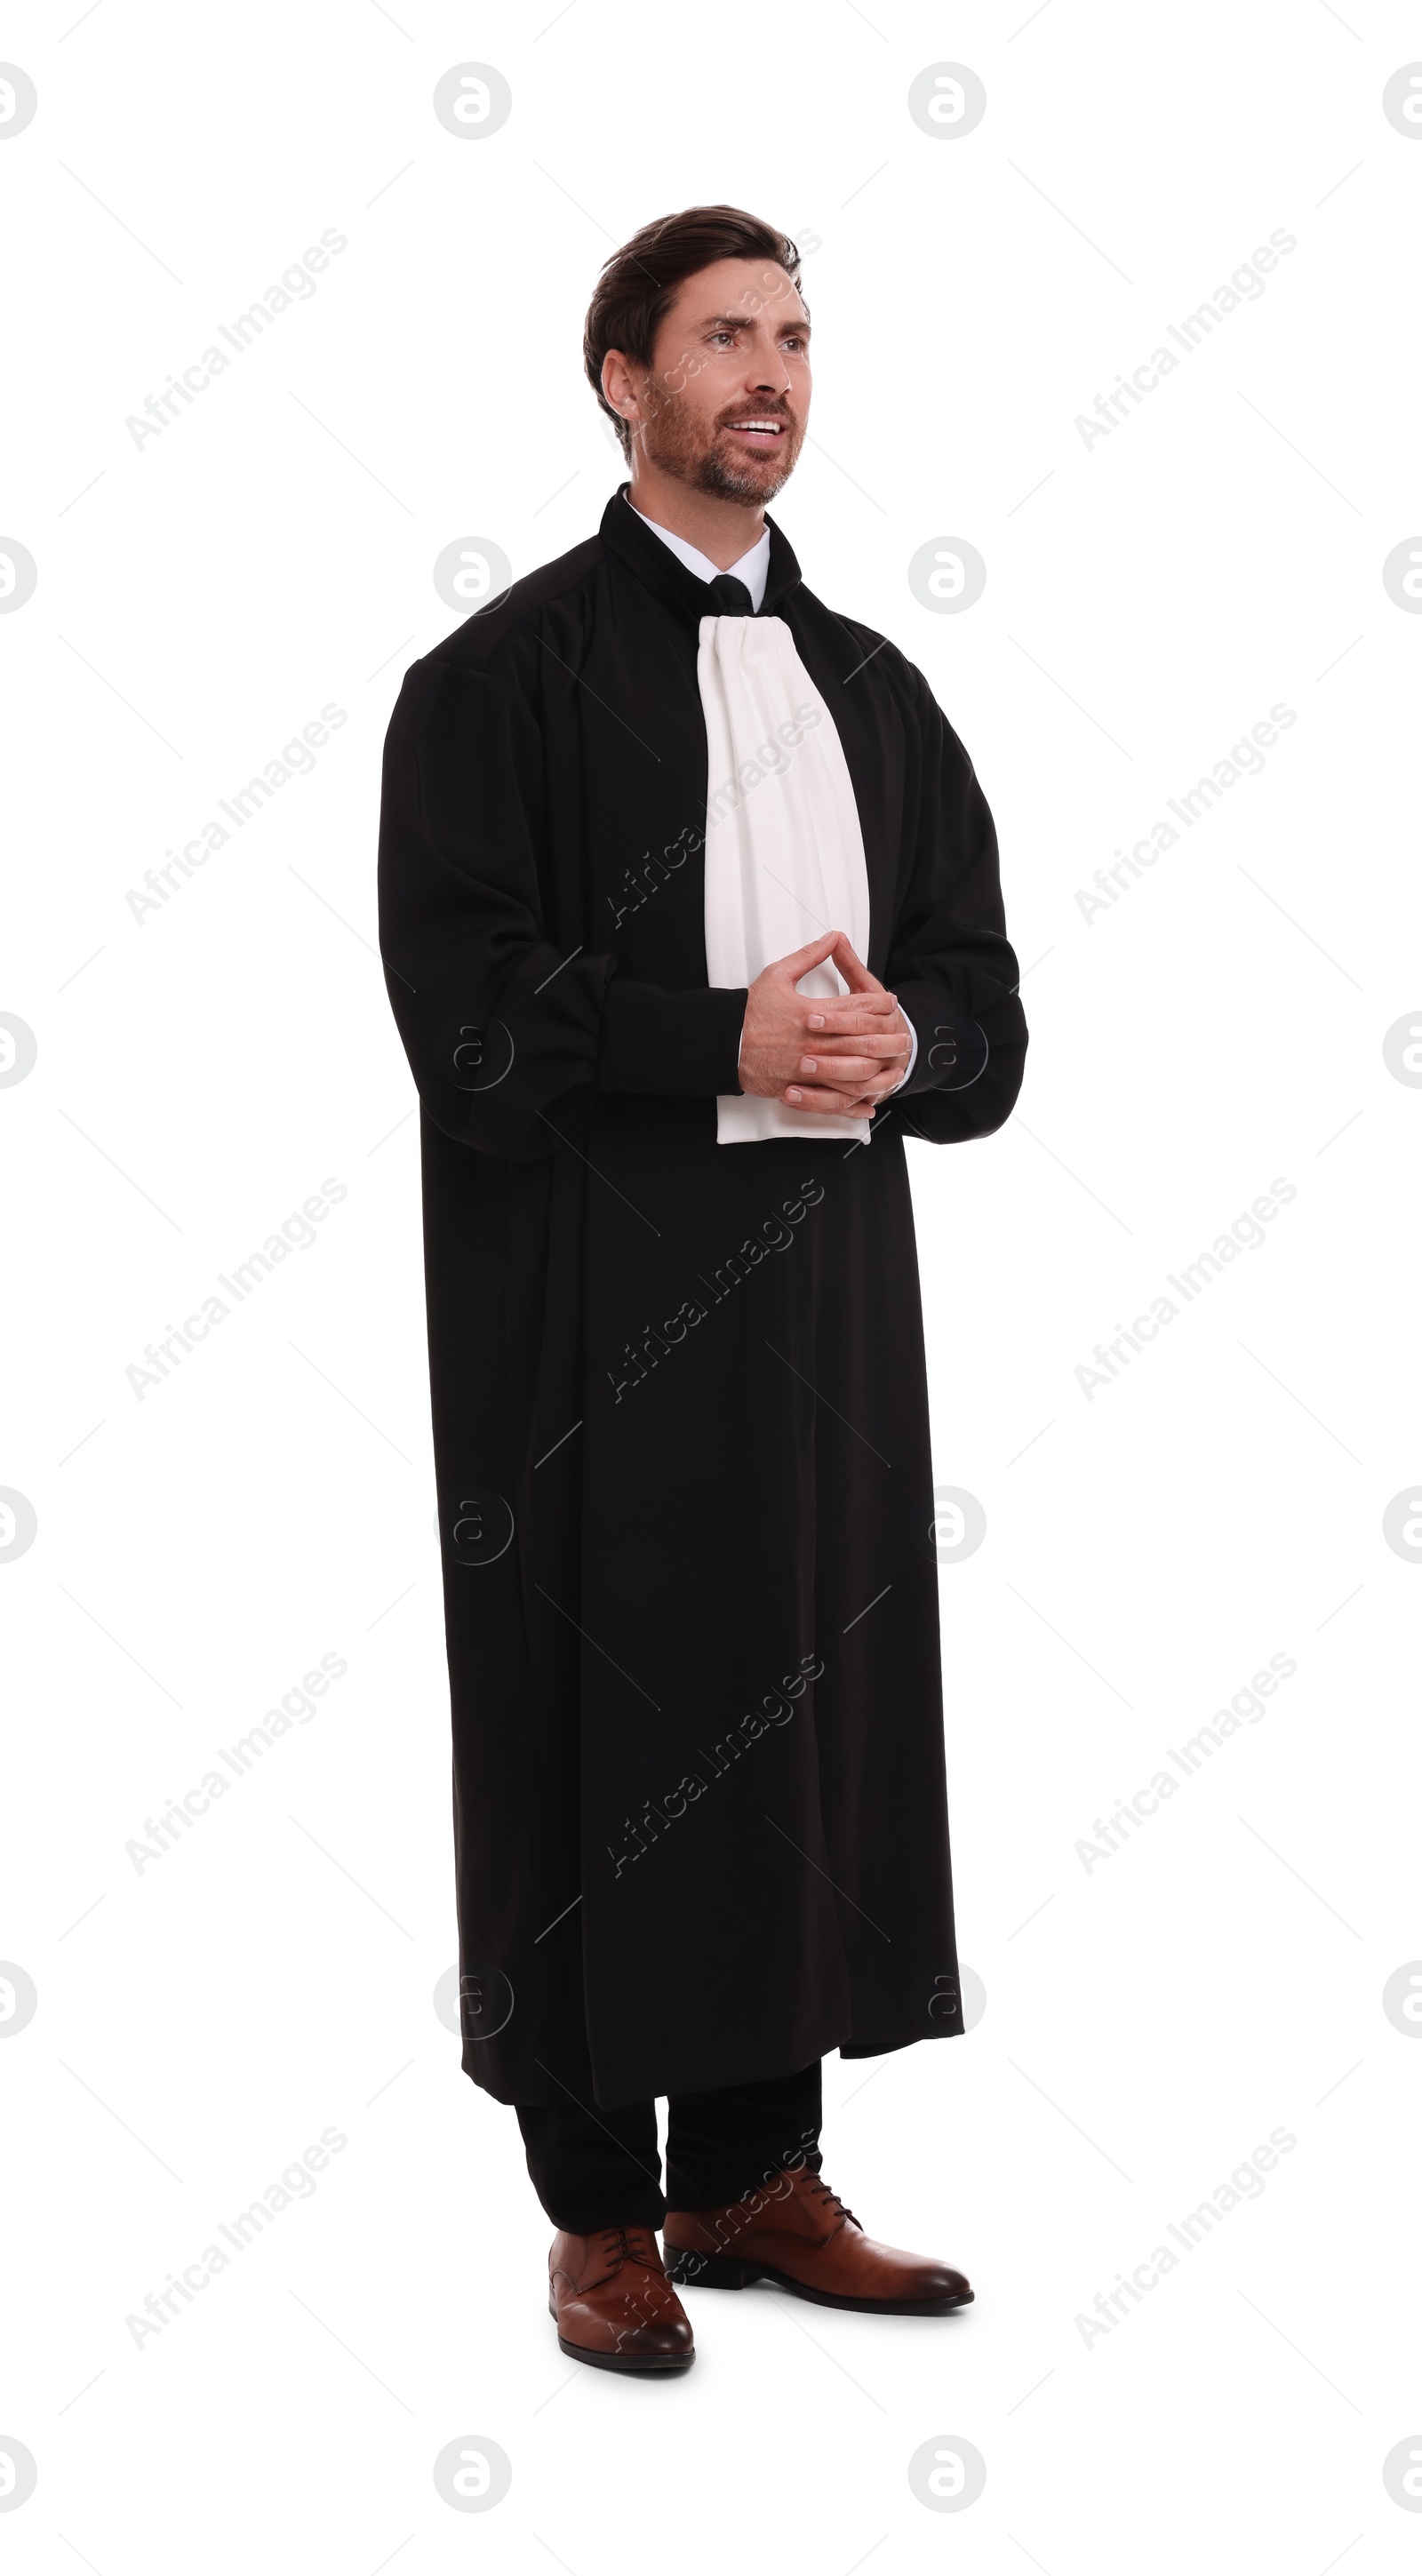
(680, 1411)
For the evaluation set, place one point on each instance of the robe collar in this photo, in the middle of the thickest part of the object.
(635, 544)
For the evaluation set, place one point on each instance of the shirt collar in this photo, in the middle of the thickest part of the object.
(637, 546)
(753, 568)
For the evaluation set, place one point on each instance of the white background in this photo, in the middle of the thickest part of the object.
(1220, 1501)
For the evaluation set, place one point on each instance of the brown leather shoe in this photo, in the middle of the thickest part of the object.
(798, 2233)
(613, 2303)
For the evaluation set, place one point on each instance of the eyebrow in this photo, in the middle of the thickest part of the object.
(742, 321)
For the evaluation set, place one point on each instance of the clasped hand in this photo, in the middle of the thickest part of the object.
(841, 1057)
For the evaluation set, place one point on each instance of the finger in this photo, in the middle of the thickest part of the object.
(852, 967)
(851, 1010)
(846, 1011)
(886, 1048)
(846, 1072)
(849, 1073)
(835, 1104)
(814, 954)
(873, 1087)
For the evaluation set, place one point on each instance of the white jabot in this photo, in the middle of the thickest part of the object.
(784, 851)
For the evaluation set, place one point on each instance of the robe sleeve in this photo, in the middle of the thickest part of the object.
(949, 960)
(512, 1035)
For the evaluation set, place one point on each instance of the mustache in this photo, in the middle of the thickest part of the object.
(760, 411)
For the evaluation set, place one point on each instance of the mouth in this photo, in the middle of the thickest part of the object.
(758, 431)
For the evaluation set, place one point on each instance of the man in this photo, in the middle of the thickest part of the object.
(690, 913)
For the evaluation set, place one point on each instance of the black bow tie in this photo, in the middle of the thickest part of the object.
(731, 596)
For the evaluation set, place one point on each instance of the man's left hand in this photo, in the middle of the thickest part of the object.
(850, 1077)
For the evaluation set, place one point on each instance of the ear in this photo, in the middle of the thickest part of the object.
(619, 387)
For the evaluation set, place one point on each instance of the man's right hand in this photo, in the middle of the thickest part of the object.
(857, 1043)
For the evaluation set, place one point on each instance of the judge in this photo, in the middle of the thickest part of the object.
(690, 915)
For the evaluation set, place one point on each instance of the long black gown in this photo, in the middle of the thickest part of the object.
(680, 1412)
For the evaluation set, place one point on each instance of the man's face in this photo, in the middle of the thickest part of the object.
(724, 404)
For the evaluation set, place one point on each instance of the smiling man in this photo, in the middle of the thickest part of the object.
(690, 914)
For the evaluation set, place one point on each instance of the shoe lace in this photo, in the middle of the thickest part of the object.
(627, 2245)
(821, 2191)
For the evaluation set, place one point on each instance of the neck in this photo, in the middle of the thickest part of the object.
(720, 529)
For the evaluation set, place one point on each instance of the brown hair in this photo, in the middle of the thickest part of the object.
(638, 284)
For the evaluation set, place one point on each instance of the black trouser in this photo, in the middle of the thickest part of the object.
(594, 2168)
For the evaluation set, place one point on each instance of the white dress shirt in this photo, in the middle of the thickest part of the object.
(753, 569)
(742, 1119)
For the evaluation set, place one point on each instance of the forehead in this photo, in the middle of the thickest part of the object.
(755, 287)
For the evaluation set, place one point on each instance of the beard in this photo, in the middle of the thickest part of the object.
(681, 445)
